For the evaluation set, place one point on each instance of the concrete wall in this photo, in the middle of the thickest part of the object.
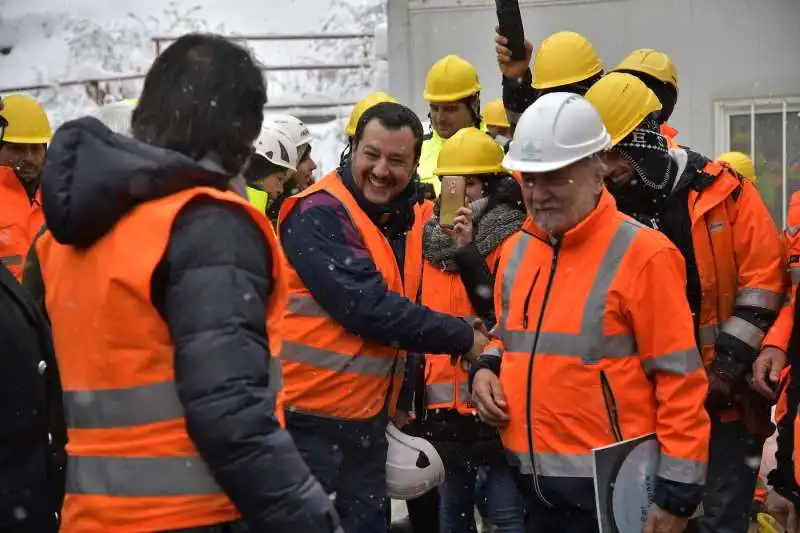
(724, 49)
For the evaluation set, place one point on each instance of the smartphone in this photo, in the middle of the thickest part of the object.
(510, 20)
(452, 198)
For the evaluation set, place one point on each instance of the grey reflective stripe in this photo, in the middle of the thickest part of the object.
(761, 298)
(708, 334)
(795, 275)
(139, 476)
(553, 464)
(682, 470)
(11, 260)
(680, 363)
(590, 344)
(134, 406)
(793, 230)
(743, 330)
(443, 393)
(365, 365)
(114, 408)
(439, 393)
(612, 346)
(494, 351)
(305, 306)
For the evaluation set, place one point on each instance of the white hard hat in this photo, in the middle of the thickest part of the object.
(293, 126)
(558, 129)
(276, 147)
(413, 466)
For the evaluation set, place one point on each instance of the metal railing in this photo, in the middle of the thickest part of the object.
(98, 87)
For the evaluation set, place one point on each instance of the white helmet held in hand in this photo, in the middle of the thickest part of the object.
(413, 466)
(276, 147)
(293, 126)
(557, 130)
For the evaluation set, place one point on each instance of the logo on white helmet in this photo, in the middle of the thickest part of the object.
(531, 150)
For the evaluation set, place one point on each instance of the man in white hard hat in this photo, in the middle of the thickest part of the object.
(581, 295)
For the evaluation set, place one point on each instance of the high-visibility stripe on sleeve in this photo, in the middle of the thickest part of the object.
(760, 298)
(680, 363)
(682, 470)
(743, 330)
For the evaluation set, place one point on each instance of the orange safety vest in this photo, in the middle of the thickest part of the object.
(575, 322)
(20, 220)
(131, 466)
(670, 133)
(738, 253)
(412, 262)
(447, 385)
(781, 330)
(327, 370)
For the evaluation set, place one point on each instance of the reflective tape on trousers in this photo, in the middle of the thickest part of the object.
(363, 364)
(760, 298)
(591, 344)
(139, 476)
(133, 406)
(743, 330)
(438, 393)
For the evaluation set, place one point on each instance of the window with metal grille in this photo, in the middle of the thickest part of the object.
(768, 130)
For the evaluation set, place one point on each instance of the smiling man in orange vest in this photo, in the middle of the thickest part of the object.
(166, 290)
(579, 296)
(353, 280)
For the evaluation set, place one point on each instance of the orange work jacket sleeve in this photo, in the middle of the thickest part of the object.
(669, 355)
(760, 258)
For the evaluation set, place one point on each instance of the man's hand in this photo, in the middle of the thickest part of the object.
(783, 510)
(511, 69)
(720, 392)
(402, 418)
(660, 521)
(767, 371)
(490, 401)
(480, 338)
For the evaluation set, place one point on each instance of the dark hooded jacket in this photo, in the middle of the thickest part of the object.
(91, 179)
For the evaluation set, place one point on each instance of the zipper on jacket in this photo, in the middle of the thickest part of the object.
(528, 301)
(611, 407)
(528, 402)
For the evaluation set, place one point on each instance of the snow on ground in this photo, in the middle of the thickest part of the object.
(58, 40)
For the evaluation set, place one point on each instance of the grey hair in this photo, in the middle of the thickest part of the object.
(598, 164)
(116, 116)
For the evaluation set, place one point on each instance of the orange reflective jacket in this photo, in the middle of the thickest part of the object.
(669, 133)
(132, 467)
(327, 370)
(20, 221)
(605, 367)
(738, 252)
(781, 330)
(412, 263)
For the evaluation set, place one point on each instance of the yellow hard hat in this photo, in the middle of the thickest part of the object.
(623, 101)
(451, 79)
(27, 121)
(362, 105)
(741, 163)
(495, 114)
(470, 152)
(564, 58)
(653, 63)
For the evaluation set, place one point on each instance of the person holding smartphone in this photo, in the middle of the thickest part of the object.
(479, 207)
(565, 62)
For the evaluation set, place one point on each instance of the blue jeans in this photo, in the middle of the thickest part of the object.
(504, 505)
(349, 460)
(733, 461)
